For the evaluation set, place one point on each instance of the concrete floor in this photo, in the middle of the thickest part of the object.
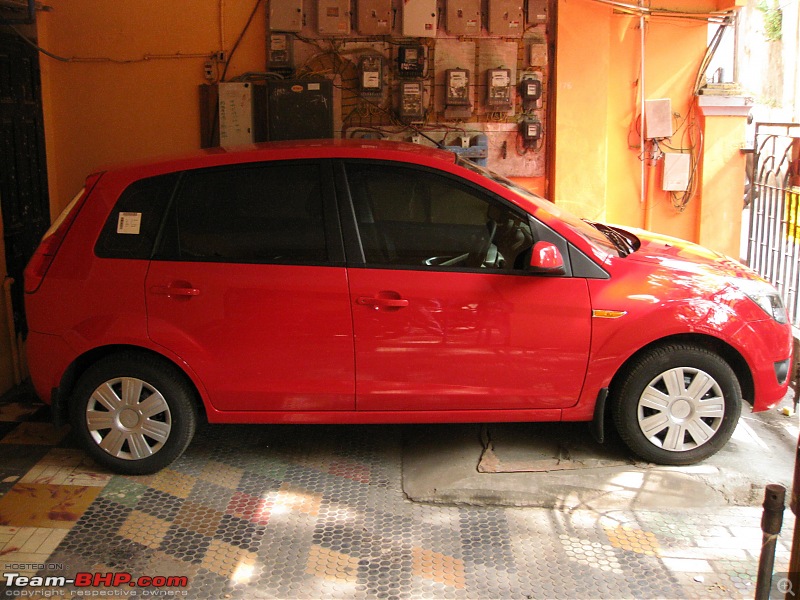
(338, 512)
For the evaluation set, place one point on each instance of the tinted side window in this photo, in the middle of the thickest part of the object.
(417, 218)
(131, 229)
(265, 213)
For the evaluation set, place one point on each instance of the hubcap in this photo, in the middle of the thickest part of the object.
(128, 418)
(681, 409)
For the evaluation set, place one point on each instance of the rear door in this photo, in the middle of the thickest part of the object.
(446, 316)
(248, 287)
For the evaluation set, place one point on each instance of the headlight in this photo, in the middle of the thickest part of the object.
(763, 294)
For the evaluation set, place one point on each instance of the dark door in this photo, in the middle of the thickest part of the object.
(23, 178)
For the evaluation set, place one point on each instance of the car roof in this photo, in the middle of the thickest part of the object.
(285, 150)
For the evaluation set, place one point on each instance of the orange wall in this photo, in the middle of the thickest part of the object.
(598, 72)
(104, 112)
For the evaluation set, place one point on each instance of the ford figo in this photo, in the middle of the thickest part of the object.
(380, 282)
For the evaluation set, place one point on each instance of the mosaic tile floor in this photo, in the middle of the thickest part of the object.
(318, 512)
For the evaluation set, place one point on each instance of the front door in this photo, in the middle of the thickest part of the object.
(445, 315)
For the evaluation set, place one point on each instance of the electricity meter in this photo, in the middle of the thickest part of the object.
(530, 130)
(411, 101)
(457, 86)
(498, 86)
(531, 92)
(279, 53)
(411, 61)
(370, 69)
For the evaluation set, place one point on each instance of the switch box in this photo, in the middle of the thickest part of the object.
(333, 17)
(419, 18)
(498, 85)
(412, 101)
(463, 17)
(506, 18)
(300, 109)
(658, 118)
(286, 15)
(280, 55)
(677, 167)
(411, 61)
(374, 17)
(370, 75)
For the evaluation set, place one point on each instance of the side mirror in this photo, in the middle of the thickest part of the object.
(546, 259)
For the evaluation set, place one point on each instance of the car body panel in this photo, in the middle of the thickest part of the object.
(469, 341)
(470, 346)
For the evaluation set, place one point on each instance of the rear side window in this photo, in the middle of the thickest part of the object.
(265, 213)
(132, 227)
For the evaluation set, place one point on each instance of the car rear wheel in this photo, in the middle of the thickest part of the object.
(678, 405)
(134, 414)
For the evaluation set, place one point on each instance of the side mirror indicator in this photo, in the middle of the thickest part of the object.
(546, 259)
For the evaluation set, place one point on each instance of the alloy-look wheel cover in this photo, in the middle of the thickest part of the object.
(681, 409)
(128, 418)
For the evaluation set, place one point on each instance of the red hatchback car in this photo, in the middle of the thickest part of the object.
(379, 282)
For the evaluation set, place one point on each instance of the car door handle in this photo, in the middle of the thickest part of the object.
(182, 290)
(378, 302)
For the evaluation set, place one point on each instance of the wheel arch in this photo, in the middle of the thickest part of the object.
(727, 352)
(73, 373)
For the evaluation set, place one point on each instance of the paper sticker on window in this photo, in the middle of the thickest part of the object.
(129, 222)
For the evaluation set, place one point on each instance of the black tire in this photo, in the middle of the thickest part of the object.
(146, 431)
(664, 419)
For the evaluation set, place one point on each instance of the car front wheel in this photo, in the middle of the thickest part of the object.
(678, 405)
(134, 414)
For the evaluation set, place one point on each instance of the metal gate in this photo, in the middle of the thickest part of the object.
(773, 247)
(23, 180)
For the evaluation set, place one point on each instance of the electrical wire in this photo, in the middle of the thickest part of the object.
(239, 39)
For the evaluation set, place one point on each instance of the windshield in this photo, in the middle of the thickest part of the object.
(580, 227)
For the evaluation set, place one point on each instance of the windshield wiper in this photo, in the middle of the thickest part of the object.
(620, 242)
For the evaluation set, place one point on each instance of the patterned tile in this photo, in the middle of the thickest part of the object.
(42, 505)
(64, 466)
(144, 529)
(438, 567)
(323, 562)
(230, 561)
(124, 491)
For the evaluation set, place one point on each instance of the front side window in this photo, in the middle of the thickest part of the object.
(265, 213)
(411, 217)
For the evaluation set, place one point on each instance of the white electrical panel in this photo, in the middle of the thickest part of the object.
(677, 167)
(333, 17)
(464, 17)
(235, 114)
(498, 85)
(374, 17)
(419, 18)
(412, 107)
(506, 18)
(658, 118)
(286, 15)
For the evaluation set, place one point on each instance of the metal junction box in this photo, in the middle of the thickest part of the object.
(286, 15)
(333, 17)
(300, 109)
(419, 18)
(506, 18)
(464, 17)
(374, 17)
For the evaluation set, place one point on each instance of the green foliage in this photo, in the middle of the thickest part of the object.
(773, 19)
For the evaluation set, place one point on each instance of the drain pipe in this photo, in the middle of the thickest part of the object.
(12, 337)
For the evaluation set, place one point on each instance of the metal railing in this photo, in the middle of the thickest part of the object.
(773, 246)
